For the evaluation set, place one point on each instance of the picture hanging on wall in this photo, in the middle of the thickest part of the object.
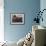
(17, 18)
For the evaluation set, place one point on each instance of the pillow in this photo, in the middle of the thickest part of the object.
(28, 40)
(21, 42)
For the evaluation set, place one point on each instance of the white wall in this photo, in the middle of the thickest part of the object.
(43, 6)
(1, 20)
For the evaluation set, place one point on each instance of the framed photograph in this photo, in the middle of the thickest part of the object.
(17, 18)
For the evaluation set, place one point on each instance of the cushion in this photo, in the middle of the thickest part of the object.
(20, 42)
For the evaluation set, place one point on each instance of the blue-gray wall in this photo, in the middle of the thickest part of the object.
(28, 7)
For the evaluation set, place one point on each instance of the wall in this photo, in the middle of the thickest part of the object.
(1, 21)
(43, 6)
(28, 7)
